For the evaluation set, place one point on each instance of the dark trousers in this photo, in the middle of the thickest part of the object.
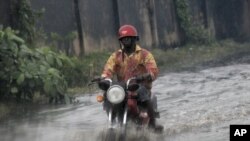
(147, 100)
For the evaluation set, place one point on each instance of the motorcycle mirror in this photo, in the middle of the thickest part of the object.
(104, 85)
(133, 87)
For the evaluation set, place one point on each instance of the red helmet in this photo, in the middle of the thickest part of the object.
(127, 31)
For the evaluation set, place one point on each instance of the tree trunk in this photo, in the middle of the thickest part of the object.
(79, 27)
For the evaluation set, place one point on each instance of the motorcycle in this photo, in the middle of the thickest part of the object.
(122, 104)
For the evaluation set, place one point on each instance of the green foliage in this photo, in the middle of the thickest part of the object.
(183, 14)
(85, 68)
(25, 20)
(195, 33)
(26, 71)
(62, 43)
(71, 35)
(55, 36)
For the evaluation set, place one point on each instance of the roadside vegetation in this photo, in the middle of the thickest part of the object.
(192, 57)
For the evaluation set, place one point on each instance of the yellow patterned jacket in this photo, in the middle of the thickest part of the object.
(125, 67)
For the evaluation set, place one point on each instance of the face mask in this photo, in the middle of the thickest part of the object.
(126, 41)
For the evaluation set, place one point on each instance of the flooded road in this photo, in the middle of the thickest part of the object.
(194, 106)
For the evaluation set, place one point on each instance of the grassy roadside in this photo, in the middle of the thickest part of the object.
(196, 57)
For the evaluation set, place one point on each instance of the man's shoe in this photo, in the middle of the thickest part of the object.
(158, 129)
(155, 127)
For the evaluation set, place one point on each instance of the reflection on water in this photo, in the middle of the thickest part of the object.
(194, 106)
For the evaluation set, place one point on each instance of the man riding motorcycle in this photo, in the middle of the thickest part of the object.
(131, 60)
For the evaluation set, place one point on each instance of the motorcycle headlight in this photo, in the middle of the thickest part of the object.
(115, 94)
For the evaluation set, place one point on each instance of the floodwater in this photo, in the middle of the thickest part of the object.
(194, 106)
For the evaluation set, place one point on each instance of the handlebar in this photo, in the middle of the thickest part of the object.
(99, 79)
(95, 80)
(138, 78)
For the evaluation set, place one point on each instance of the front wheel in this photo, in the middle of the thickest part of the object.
(123, 129)
(110, 135)
(123, 133)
